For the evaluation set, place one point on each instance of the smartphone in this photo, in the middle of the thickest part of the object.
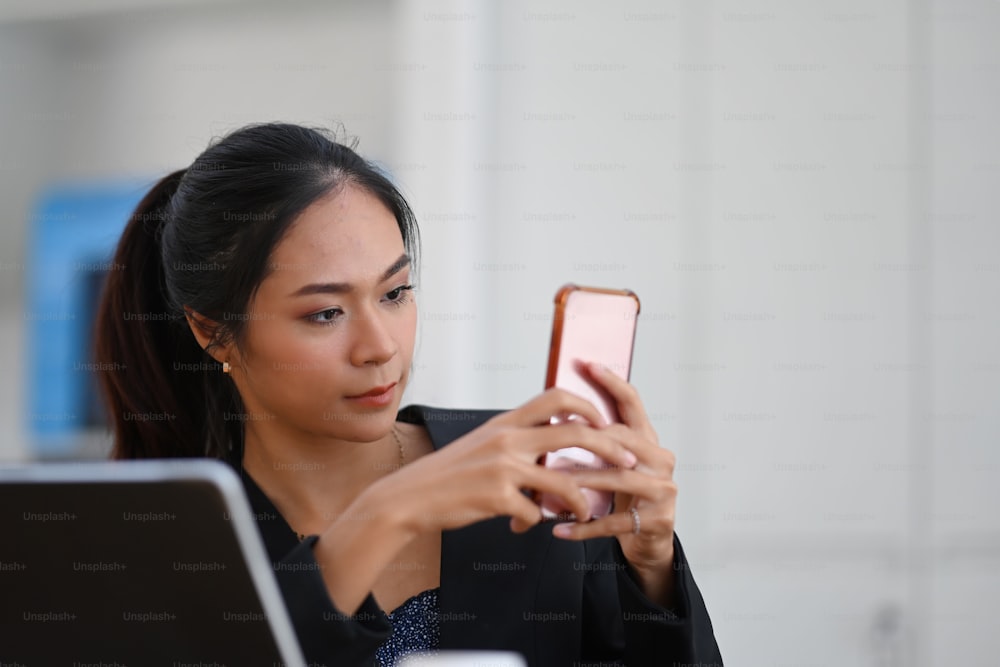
(589, 324)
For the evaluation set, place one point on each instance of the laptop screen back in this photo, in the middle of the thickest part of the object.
(139, 563)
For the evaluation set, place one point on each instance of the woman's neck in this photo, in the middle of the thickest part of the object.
(312, 482)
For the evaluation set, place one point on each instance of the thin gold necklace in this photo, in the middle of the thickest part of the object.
(402, 461)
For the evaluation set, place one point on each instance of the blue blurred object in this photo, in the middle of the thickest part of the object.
(72, 237)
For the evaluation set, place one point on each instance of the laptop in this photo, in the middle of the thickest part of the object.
(136, 563)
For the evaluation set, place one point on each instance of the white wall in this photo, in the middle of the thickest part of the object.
(959, 422)
(802, 194)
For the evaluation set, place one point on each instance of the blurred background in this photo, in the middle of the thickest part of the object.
(803, 194)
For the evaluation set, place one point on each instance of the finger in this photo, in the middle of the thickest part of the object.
(632, 482)
(551, 403)
(647, 451)
(654, 527)
(612, 524)
(524, 514)
(630, 406)
(559, 484)
(601, 442)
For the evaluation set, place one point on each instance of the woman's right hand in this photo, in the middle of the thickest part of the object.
(478, 476)
(482, 474)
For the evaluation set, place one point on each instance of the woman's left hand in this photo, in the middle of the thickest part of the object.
(648, 488)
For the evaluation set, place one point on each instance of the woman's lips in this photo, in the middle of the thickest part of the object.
(376, 396)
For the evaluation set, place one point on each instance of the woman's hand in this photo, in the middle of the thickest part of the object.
(648, 489)
(482, 474)
(478, 476)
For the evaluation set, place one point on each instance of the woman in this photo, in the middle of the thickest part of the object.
(265, 310)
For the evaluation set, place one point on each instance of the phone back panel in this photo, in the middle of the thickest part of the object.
(592, 324)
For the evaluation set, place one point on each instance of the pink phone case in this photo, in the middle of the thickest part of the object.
(590, 324)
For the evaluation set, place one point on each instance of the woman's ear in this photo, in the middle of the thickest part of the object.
(204, 332)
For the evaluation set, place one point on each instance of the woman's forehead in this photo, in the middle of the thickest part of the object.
(347, 238)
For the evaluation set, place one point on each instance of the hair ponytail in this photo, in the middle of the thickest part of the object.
(202, 239)
(156, 394)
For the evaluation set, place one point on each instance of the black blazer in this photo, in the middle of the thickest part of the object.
(557, 602)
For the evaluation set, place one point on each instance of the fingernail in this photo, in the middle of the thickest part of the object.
(597, 367)
(630, 459)
(563, 530)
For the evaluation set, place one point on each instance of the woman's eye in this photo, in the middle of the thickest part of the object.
(399, 294)
(328, 316)
(395, 297)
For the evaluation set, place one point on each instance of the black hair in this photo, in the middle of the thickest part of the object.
(202, 238)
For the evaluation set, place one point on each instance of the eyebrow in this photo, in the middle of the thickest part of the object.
(343, 288)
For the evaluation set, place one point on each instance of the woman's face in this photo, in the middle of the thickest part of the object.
(333, 322)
